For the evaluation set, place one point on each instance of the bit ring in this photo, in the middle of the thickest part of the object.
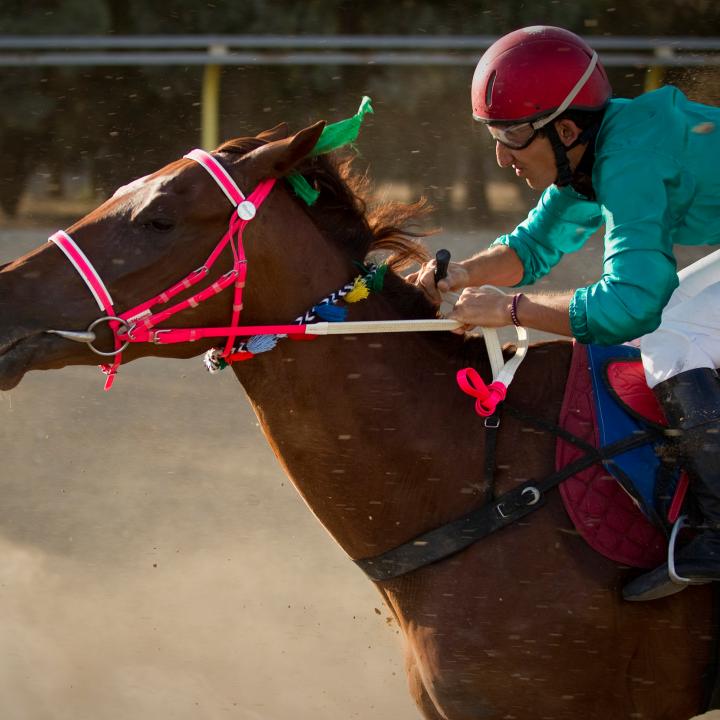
(123, 326)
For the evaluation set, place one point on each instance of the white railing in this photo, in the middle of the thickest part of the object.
(48, 50)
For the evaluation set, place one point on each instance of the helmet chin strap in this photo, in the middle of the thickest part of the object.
(564, 172)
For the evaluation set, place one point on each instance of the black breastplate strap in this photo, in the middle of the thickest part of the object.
(511, 506)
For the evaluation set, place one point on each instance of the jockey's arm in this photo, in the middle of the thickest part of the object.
(560, 223)
(541, 311)
(498, 264)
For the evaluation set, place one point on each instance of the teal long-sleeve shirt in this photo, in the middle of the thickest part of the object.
(657, 184)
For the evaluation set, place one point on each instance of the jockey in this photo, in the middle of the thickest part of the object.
(646, 170)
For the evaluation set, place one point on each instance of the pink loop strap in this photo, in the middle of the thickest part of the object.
(487, 397)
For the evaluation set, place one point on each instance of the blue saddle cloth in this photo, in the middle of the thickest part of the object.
(637, 470)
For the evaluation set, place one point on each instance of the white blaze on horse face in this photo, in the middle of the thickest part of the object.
(130, 187)
(143, 193)
(149, 185)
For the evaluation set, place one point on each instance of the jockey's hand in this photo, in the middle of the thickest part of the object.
(457, 278)
(484, 306)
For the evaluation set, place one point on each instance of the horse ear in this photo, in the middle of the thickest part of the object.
(278, 158)
(279, 132)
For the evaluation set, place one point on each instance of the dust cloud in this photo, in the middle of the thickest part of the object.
(155, 563)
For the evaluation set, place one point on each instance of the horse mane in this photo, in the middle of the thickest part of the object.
(347, 214)
(368, 229)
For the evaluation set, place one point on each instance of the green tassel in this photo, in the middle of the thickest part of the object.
(334, 136)
(343, 132)
(376, 280)
(303, 189)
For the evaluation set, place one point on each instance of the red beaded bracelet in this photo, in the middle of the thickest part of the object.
(513, 309)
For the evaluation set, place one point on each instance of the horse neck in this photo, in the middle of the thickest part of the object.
(371, 429)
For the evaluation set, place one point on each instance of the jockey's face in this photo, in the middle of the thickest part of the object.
(536, 162)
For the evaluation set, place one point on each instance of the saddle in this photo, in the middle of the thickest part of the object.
(624, 507)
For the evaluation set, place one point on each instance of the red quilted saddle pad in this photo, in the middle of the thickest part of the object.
(627, 379)
(602, 512)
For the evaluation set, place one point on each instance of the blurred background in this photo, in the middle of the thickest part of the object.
(72, 129)
(154, 560)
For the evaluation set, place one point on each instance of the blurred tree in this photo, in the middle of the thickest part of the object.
(27, 124)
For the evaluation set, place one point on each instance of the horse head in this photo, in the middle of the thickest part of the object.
(156, 230)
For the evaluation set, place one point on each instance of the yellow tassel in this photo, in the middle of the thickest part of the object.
(359, 291)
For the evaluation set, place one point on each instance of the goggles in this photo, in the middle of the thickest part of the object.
(519, 135)
(515, 137)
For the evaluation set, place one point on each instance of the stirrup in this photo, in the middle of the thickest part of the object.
(672, 572)
(677, 579)
(664, 580)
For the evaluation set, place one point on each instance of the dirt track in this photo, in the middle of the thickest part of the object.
(156, 563)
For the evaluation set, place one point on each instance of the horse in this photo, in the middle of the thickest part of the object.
(373, 433)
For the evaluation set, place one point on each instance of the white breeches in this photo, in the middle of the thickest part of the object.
(689, 333)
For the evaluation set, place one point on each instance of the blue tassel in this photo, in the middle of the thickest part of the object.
(330, 313)
(261, 343)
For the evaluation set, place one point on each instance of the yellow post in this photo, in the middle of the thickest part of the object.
(656, 73)
(654, 77)
(210, 107)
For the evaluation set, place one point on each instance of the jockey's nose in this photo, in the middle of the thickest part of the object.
(503, 154)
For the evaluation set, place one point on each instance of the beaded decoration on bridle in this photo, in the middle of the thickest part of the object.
(328, 310)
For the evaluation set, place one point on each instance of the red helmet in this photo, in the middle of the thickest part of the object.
(533, 72)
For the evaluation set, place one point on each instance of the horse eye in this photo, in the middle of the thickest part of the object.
(159, 225)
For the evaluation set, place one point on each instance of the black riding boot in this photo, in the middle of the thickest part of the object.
(691, 401)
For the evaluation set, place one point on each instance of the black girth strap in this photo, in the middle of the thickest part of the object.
(457, 535)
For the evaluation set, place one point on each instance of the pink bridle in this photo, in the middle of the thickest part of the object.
(138, 323)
